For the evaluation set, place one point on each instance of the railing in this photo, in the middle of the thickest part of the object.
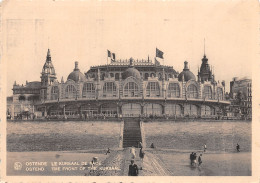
(137, 98)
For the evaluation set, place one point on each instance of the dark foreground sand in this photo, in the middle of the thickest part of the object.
(62, 136)
(156, 163)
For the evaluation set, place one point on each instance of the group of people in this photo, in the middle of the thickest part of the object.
(193, 159)
(193, 156)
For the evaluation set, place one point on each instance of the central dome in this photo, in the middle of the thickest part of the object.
(131, 72)
(76, 75)
(186, 73)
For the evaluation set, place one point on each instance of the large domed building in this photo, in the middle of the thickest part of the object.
(131, 88)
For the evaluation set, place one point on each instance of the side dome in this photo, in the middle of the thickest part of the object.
(131, 72)
(186, 73)
(76, 75)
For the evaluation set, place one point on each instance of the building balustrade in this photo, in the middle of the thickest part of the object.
(134, 98)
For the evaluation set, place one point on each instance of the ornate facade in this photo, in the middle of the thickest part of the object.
(131, 88)
(241, 97)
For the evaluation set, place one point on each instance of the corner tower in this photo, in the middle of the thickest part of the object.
(205, 73)
(48, 75)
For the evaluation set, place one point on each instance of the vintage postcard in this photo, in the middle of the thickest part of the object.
(101, 91)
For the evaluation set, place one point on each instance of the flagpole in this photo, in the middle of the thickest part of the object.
(107, 61)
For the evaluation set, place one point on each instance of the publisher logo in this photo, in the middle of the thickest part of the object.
(17, 166)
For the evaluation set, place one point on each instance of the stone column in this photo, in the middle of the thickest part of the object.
(79, 110)
(199, 110)
(142, 109)
(163, 109)
(45, 111)
(119, 109)
(182, 109)
(99, 108)
(12, 110)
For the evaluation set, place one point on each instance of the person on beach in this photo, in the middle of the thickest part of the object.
(132, 151)
(152, 146)
(238, 148)
(195, 158)
(205, 147)
(191, 158)
(141, 154)
(133, 169)
(140, 145)
(200, 160)
(108, 151)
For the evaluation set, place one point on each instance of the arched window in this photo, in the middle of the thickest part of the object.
(117, 76)
(21, 98)
(33, 98)
(152, 75)
(220, 93)
(109, 109)
(153, 89)
(44, 94)
(54, 93)
(192, 91)
(160, 76)
(109, 89)
(88, 90)
(173, 90)
(111, 75)
(131, 90)
(190, 110)
(152, 109)
(103, 76)
(146, 75)
(207, 92)
(70, 92)
(165, 77)
(205, 110)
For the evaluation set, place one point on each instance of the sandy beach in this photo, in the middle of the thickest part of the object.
(155, 163)
(79, 142)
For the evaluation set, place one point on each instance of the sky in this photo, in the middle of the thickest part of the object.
(83, 31)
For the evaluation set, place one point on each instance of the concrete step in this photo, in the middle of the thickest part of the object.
(132, 133)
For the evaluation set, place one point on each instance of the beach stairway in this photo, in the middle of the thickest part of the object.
(132, 132)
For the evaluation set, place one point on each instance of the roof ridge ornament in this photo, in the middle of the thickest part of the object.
(76, 66)
(48, 57)
(186, 68)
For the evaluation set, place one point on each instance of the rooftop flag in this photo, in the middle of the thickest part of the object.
(159, 53)
(113, 57)
(108, 53)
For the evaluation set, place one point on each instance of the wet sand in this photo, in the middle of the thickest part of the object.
(62, 136)
(219, 136)
(155, 163)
